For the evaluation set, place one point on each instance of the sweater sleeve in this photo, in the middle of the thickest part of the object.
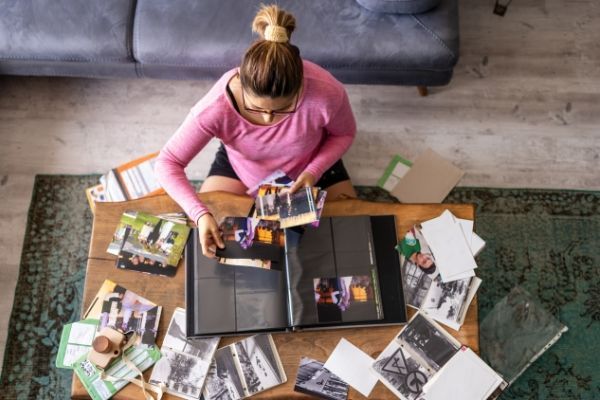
(340, 132)
(172, 160)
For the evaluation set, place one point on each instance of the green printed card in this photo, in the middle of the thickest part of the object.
(102, 389)
(75, 341)
(395, 170)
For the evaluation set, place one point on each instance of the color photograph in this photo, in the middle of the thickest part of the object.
(124, 310)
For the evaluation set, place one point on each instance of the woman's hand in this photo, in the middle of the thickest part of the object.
(306, 179)
(210, 235)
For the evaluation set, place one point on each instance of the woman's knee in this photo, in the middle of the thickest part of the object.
(217, 183)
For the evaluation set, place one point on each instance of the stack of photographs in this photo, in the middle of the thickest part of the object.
(423, 287)
(243, 369)
(315, 380)
(126, 311)
(410, 363)
(276, 203)
(252, 242)
(184, 363)
(148, 243)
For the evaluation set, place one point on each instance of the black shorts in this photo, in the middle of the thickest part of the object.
(222, 167)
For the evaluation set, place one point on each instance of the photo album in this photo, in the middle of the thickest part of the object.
(345, 272)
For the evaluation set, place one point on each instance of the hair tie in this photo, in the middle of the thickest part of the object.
(276, 33)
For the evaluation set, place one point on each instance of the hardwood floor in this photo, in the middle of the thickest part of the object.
(523, 110)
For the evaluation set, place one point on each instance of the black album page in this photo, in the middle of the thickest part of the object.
(228, 299)
(335, 273)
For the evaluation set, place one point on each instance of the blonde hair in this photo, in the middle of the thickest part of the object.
(272, 66)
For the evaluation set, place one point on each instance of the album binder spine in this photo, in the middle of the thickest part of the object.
(288, 284)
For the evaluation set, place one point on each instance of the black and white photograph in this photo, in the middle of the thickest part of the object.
(445, 302)
(415, 283)
(418, 266)
(317, 381)
(175, 339)
(182, 374)
(260, 363)
(223, 381)
(428, 342)
(400, 372)
(184, 364)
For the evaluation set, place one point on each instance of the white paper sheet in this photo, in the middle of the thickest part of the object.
(353, 366)
(465, 376)
(447, 242)
(467, 228)
(477, 244)
(82, 334)
(462, 275)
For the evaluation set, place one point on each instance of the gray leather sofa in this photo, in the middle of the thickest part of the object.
(399, 42)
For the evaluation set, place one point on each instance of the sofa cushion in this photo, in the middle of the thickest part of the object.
(399, 6)
(66, 30)
(358, 46)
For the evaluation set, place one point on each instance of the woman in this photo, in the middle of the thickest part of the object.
(276, 112)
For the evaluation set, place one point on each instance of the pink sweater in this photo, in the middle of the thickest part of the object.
(312, 139)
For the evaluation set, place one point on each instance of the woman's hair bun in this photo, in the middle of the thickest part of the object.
(274, 24)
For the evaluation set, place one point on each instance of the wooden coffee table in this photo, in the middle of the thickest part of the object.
(169, 292)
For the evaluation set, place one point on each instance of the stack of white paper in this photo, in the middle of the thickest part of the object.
(453, 244)
(465, 376)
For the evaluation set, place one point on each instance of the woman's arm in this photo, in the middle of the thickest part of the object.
(174, 157)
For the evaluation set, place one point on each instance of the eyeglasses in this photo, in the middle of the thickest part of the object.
(269, 112)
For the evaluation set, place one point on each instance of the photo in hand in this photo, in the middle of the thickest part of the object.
(290, 209)
(251, 242)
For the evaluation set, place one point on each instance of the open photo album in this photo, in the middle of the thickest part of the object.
(343, 273)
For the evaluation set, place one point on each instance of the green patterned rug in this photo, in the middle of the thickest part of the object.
(546, 241)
